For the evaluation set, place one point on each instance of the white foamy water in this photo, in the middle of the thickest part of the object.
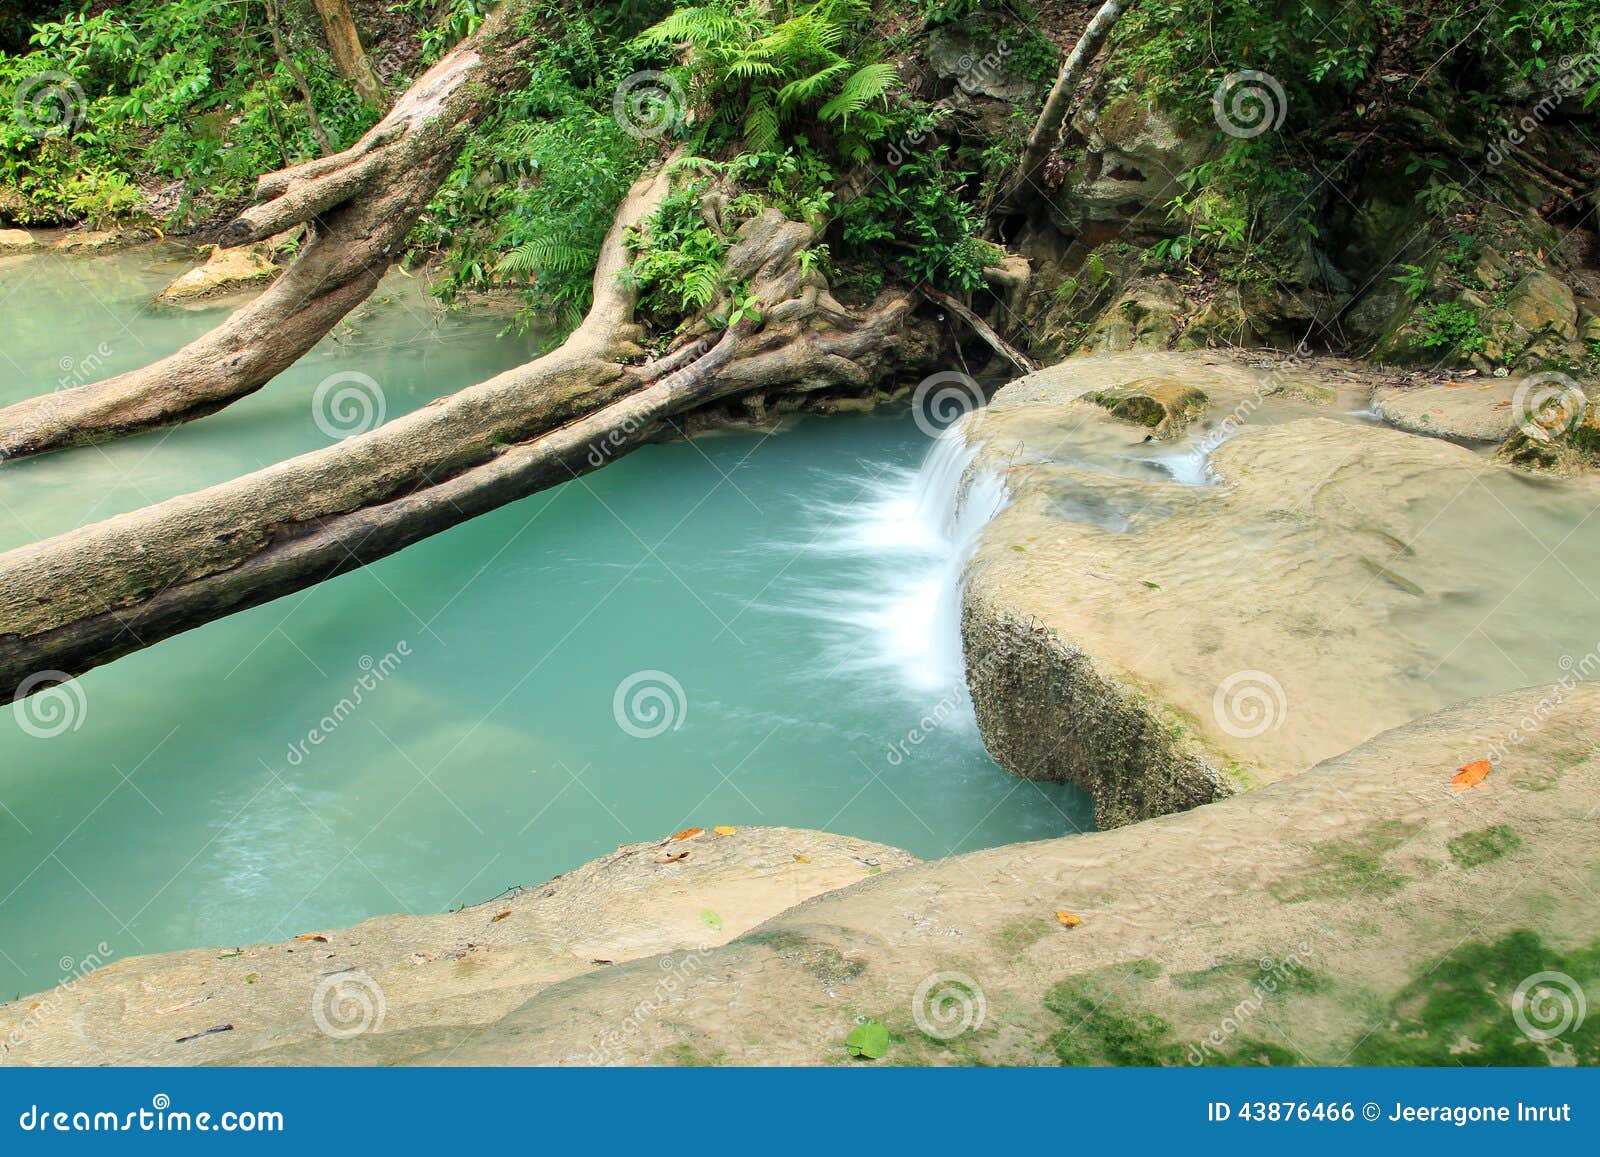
(910, 534)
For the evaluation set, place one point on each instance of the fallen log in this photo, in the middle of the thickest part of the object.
(84, 598)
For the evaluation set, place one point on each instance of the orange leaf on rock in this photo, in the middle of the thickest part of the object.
(499, 916)
(724, 831)
(1470, 775)
(1068, 919)
(687, 833)
(317, 936)
(672, 857)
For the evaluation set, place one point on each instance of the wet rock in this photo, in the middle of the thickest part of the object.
(224, 271)
(1164, 406)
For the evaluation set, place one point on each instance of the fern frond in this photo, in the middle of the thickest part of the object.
(544, 255)
(868, 84)
(761, 123)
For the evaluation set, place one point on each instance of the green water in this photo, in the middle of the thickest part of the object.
(787, 593)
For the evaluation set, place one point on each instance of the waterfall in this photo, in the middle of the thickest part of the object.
(911, 533)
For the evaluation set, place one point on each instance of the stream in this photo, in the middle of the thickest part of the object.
(744, 629)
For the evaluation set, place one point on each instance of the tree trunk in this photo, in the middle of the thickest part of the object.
(344, 42)
(286, 58)
(360, 204)
(86, 597)
(1024, 180)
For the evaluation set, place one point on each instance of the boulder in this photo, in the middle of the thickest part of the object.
(1129, 169)
(978, 64)
(1146, 315)
(223, 271)
(1474, 409)
(16, 241)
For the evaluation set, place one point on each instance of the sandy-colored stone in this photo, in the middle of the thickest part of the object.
(1161, 644)
(16, 241)
(465, 967)
(223, 271)
(1474, 409)
(1329, 919)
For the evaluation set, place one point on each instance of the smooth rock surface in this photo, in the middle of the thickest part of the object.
(464, 967)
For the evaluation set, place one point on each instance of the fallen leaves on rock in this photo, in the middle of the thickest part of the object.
(687, 833)
(724, 831)
(317, 936)
(710, 919)
(1470, 775)
(672, 857)
(1069, 919)
(801, 858)
(499, 916)
(869, 1039)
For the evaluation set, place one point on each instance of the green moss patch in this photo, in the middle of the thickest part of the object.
(1458, 1010)
(1470, 849)
(1355, 866)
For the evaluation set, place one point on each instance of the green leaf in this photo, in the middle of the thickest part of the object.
(868, 1039)
(710, 919)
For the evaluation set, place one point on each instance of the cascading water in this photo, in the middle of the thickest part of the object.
(910, 534)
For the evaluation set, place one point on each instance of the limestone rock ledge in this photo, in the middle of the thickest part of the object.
(1163, 643)
(411, 974)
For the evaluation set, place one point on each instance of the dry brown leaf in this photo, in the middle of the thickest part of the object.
(687, 833)
(499, 916)
(1470, 775)
(317, 936)
(672, 857)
